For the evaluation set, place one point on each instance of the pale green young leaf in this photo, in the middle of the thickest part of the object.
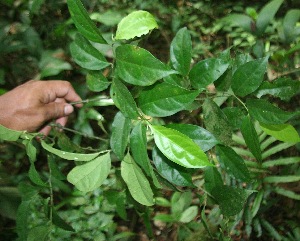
(164, 99)
(283, 132)
(8, 134)
(181, 51)
(125, 100)
(179, 148)
(249, 76)
(69, 155)
(266, 15)
(203, 138)
(216, 121)
(282, 179)
(86, 55)
(251, 137)
(120, 133)
(207, 71)
(136, 24)
(189, 214)
(232, 163)
(266, 113)
(138, 185)
(83, 22)
(138, 66)
(287, 193)
(91, 175)
(171, 171)
(96, 81)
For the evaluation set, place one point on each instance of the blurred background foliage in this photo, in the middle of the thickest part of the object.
(34, 44)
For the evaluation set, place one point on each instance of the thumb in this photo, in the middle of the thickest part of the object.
(56, 110)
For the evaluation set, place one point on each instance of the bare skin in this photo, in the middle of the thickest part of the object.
(31, 105)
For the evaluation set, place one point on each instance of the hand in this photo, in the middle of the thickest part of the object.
(29, 106)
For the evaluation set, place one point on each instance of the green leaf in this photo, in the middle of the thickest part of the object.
(212, 178)
(59, 222)
(35, 176)
(282, 179)
(124, 100)
(216, 121)
(171, 171)
(251, 137)
(230, 199)
(86, 55)
(96, 81)
(51, 65)
(164, 99)
(30, 150)
(206, 72)
(240, 20)
(166, 218)
(138, 147)
(69, 155)
(284, 88)
(249, 76)
(287, 193)
(120, 131)
(266, 15)
(83, 22)
(181, 51)
(266, 113)
(8, 134)
(289, 23)
(39, 233)
(234, 116)
(283, 132)
(91, 175)
(136, 181)
(203, 138)
(232, 163)
(179, 148)
(138, 66)
(135, 24)
(189, 214)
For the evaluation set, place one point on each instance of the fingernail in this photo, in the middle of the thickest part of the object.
(68, 109)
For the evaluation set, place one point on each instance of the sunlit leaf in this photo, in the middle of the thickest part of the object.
(138, 185)
(179, 148)
(8, 134)
(138, 66)
(189, 214)
(135, 24)
(283, 132)
(83, 22)
(89, 176)
(203, 138)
